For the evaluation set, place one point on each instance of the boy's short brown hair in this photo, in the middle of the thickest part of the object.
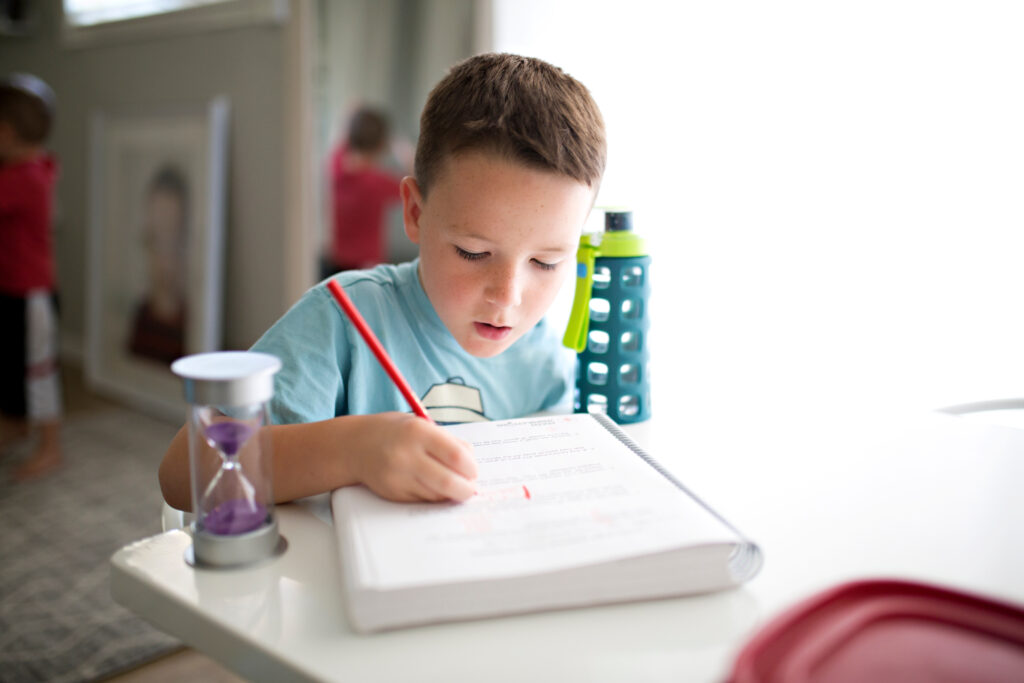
(521, 108)
(26, 105)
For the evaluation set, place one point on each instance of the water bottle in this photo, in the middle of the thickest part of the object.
(609, 322)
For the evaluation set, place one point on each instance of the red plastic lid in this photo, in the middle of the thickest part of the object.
(888, 631)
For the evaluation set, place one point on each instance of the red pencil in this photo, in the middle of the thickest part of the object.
(371, 340)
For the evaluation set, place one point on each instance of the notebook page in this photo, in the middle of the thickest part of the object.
(554, 492)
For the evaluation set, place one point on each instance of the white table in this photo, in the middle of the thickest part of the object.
(928, 497)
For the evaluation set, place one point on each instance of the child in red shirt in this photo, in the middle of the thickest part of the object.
(361, 193)
(29, 380)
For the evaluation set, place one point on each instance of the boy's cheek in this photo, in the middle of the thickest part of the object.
(460, 285)
(551, 286)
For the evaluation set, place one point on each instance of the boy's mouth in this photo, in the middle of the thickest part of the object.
(492, 332)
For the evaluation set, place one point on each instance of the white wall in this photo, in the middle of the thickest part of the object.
(385, 51)
(244, 63)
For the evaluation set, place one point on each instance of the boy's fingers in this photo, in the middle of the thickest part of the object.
(422, 493)
(444, 483)
(454, 453)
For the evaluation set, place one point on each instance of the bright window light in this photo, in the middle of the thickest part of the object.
(93, 12)
(832, 191)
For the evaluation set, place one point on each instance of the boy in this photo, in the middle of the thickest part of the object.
(508, 163)
(29, 381)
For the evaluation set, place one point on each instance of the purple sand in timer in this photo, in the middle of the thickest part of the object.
(238, 512)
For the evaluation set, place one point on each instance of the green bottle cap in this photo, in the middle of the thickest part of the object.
(618, 241)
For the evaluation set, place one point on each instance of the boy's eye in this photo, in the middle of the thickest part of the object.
(470, 255)
(477, 255)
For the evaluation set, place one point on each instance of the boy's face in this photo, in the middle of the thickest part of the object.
(497, 240)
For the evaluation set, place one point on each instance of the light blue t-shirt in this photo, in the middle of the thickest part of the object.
(328, 370)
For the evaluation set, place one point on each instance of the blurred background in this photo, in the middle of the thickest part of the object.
(832, 191)
(826, 188)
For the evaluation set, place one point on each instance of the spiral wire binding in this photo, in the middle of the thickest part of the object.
(746, 558)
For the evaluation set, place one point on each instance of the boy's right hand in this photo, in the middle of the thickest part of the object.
(406, 458)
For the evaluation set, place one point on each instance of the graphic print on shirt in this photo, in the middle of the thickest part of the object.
(454, 403)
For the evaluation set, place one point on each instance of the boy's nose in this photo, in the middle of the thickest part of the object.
(504, 288)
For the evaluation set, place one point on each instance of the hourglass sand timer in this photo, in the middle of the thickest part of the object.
(230, 456)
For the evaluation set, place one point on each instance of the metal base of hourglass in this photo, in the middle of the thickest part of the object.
(238, 531)
(220, 551)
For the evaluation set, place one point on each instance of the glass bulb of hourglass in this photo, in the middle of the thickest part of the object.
(230, 497)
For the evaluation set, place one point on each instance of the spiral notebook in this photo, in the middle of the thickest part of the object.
(570, 512)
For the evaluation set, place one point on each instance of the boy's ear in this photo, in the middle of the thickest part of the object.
(412, 207)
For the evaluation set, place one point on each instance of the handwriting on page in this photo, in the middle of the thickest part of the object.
(550, 495)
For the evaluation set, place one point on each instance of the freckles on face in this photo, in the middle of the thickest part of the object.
(497, 241)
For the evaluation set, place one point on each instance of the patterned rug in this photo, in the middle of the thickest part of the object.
(57, 620)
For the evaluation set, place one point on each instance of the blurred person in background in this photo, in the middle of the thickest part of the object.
(362, 190)
(30, 391)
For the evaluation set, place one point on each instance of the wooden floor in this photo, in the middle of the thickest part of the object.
(185, 664)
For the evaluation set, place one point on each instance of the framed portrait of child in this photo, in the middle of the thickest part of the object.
(156, 248)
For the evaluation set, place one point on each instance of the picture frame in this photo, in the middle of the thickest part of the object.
(157, 205)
